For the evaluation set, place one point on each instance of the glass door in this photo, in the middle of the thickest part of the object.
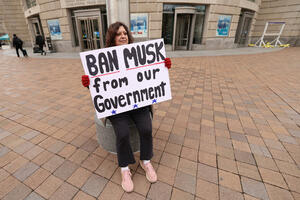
(244, 25)
(245, 30)
(95, 33)
(183, 27)
(89, 34)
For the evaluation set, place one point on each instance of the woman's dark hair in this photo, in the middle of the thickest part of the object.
(112, 32)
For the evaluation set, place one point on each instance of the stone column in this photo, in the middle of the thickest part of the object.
(118, 10)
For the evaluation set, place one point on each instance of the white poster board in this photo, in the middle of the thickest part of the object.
(127, 77)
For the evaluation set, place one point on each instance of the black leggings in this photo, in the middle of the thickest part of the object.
(17, 51)
(143, 122)
(41, 46)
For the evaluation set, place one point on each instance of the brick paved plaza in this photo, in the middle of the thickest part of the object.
(231, 131)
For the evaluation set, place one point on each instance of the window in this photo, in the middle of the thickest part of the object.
(168, 22)
(199, 24)
(104, 23)
(30, 3)
(198, 29)
(75, 30)
(167, 31)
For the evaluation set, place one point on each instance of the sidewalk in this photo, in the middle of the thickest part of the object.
(230, 132)
(171, 54)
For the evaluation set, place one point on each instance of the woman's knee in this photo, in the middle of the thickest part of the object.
(146, 131)
(122, 136)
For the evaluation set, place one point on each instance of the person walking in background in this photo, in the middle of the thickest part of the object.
(18, 44)
(40, 41)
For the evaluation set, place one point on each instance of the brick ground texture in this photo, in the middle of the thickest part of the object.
(230, 132)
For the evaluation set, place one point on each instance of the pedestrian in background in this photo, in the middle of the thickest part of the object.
(40, 41)
(18, 44)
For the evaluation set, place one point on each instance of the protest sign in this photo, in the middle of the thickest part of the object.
(127, 77)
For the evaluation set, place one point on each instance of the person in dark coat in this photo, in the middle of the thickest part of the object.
(18, 44)
(39, 40)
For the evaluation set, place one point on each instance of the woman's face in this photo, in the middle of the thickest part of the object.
(121, 36)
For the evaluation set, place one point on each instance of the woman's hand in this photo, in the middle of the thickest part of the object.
(168, 63)
(85, 80)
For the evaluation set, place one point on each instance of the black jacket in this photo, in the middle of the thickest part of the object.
(39, 40)
(17, 42)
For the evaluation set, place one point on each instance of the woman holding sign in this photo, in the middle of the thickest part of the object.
(119, 34)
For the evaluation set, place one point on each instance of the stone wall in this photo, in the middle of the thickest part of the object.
(80, 3)
(214, 10)
(58, 9)
(51, 9)
(12, 20)
(154, 9)
(283, 11)
(210, 39)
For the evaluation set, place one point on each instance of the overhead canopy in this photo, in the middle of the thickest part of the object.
(4, 37)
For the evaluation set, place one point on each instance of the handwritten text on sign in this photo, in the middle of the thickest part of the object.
(127, 77)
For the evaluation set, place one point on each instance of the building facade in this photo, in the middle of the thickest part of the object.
(12, 19)
(80, 25)
(287, 11)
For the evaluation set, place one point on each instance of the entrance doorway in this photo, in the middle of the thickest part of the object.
(184, 26)
(90, 34)
(244, 25)
(36, 28)
(89, 29)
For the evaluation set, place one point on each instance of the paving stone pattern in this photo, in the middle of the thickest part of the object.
(230, 132)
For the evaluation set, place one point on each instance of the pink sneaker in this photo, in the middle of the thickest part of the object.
(150, 172)
(127, 183)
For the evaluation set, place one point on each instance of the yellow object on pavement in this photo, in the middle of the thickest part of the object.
(285, 45)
